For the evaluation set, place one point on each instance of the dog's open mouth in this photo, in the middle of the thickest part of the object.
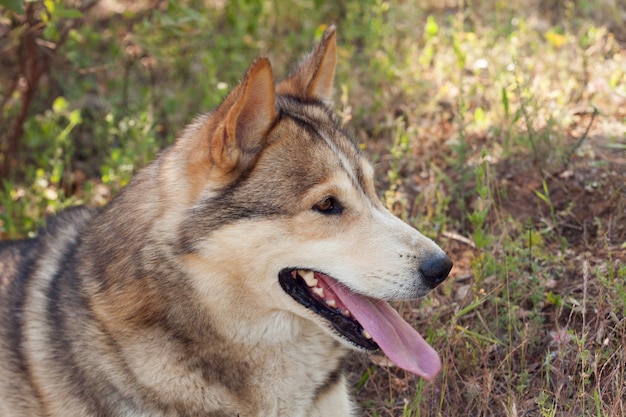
(313, 290)
(366, 322)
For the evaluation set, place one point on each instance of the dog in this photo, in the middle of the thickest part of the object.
(231, 277)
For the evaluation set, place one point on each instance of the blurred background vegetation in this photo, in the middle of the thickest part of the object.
(497, 128)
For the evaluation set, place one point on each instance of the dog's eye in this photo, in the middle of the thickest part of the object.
(329, 205)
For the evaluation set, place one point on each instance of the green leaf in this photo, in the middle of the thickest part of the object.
(459, 54)
(479, 116)
(16, 6)
(67, 13)
(75, 118)
(618, 146)
(505, 102)
(50, 6)
(432, 28)
(554, 299)
(59, 105)
(542, 196)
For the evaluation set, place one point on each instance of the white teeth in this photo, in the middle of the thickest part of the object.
(308, 277)
(366, 334)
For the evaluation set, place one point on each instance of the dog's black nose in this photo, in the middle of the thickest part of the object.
(436, 270)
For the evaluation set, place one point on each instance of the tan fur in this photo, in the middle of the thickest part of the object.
(167, 302)
(314, 81)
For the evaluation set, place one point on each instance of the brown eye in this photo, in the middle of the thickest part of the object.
(328, 206)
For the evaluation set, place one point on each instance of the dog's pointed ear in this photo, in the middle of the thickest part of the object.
(313, 78)
(244, 119)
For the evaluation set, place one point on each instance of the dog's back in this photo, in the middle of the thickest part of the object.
(22, 294)
(15, 258)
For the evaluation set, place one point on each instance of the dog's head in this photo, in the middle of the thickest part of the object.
(281, 207)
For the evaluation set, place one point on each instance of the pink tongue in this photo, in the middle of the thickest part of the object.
(400, 342)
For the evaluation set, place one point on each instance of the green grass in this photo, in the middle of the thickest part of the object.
(498, 130)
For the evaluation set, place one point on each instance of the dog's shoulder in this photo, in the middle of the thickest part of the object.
(18, 257)
(72, 219)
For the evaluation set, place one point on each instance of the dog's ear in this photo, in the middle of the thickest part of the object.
(313, 77)
(238, 128)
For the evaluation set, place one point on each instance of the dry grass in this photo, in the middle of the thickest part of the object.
(516, 164)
